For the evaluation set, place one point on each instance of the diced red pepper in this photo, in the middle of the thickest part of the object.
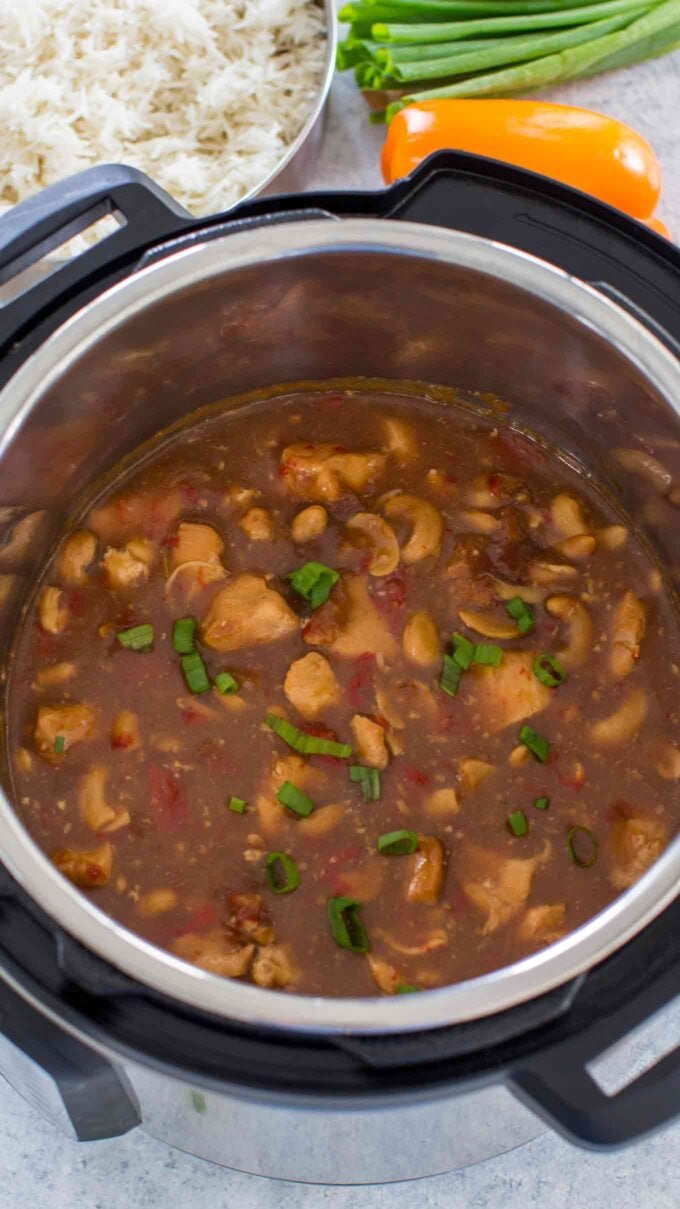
(122, 739)
(168, 800)
(361, 684)
(415, 775)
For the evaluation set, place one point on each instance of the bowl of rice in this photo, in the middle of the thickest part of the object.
(217, 100)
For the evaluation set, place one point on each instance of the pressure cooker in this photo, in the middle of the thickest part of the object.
(471, 274)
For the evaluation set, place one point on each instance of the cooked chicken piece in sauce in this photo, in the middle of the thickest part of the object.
(310, 685)
(246, 612)
(323, 472)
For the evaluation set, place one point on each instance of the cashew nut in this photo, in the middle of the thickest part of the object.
(525, 592)
(368, 529)
(579, 626)
(478, 521)
(636, 461)
(567, 515)
(472, 772)
(442, 802)
(309, 524)
(628, 630)
(400, 439)
(612, 537)
(549, 573)
(256, 523)
(624, 723)
(426, 522)
(420, 639)
(578, 547)
(76, 554)
(53, 611)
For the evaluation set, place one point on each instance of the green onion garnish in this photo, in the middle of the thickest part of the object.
(549, 670)
(225, 683)
(406, 988)
(518, 823)
(586, 854)
(60, 745)
(538, 746)
(281, 873)
(346, 926)
(397, 843)
(307, 745)
(198, 1101)
(297, 801)
(237, 805)
(368, 778)
(183, 634)
(541, 803)
(195, 673)
(488, 654)
(314, 582)
(522, 613)
(450, 677)
(463, 651)
(139, 638)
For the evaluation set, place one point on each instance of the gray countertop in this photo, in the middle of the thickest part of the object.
(39, 1169)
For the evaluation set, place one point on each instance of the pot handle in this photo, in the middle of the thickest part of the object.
(44, 222)
(557, 1084)
(95, 1096)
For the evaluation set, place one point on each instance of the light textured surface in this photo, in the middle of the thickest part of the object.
(41, 1170)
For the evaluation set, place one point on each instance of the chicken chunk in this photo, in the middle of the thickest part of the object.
(427, 878)
(635, 842)
(127, 566)
(196, 542)
(310, 685)
(214, 951)
(53, 611)
(125, 731)
(56, 673)
(247, 612)
(145, 511)
(498, 885)
(369, 741)
(543, 925)
(291, 768)
(76, 555)
(257, 524)
(273, 967)
(324, 472)
(472, 771)
(349, 624)
(509, 693)
(95, 811)
(249, 918)
(86, 869)
(59, 727)
(384, 974)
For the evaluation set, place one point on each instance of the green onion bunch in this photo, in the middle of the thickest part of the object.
(425, 49)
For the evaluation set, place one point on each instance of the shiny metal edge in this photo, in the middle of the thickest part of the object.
(475, 998)
(286, 165)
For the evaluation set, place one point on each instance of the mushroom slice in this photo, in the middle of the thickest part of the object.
(426, 525)
(371, 532)
(488, 624)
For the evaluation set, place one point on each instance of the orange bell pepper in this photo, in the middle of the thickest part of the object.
(587, 150)
(658, 225)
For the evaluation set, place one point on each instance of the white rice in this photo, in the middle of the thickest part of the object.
(203, 95)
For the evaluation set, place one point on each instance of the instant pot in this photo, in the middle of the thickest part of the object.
(548, 305)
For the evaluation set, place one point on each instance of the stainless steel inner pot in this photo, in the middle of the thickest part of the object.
(318, 300)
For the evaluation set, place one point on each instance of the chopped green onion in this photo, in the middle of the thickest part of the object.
(522, 613)
(588, 854)
(397, 843)
(225, 683)
(281, 873)
(406, 988)
(307, 745)
(488, 654)
(346, 927)
(549, 670)
(195, 673)
(463, 651)
(198, 1101)
(368, 778)
(314, 582)
(297, 801)
(237, 805)
(183, 635)
(538, 746)
(60, 745)
(139, 638)
(451, 674)
(541, 803)
(518, 823)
